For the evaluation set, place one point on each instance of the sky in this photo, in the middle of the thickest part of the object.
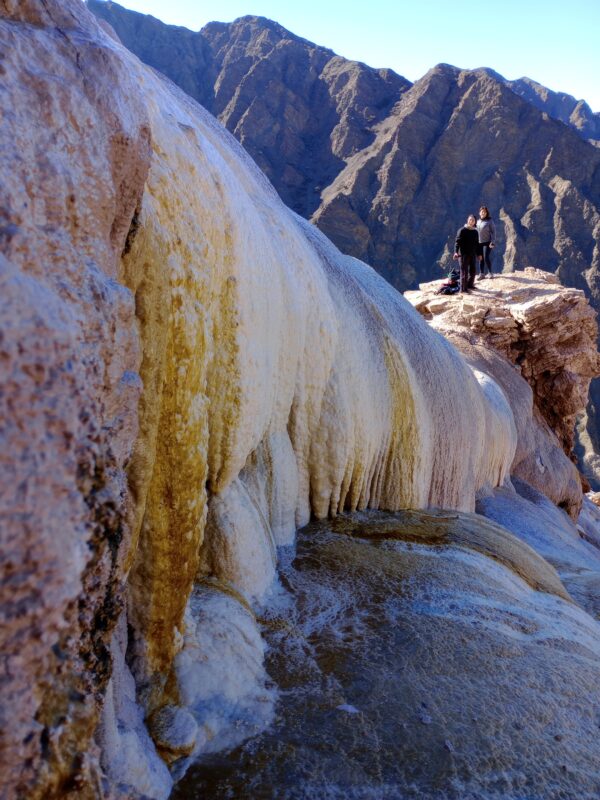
(555, 42)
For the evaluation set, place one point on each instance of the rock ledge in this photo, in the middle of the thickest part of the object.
(548, 330)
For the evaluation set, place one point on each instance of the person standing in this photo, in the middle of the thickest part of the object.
(465, 248)
(487, 241)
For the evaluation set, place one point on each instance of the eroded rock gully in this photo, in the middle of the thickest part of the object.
(189, 374)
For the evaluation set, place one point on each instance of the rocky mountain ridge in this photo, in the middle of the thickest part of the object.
(560, 106)
(374, 160)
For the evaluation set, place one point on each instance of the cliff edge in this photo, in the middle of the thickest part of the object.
(546, 330)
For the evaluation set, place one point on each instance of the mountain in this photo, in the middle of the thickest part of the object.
(298, 109)
(560, 106)
(386, 169)
(261, 521)
(457, 139)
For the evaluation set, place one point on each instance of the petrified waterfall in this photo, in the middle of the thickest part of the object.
(190, 373)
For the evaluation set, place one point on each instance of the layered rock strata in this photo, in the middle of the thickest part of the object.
(546, 330)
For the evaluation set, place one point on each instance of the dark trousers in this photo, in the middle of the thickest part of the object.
(485, 255)
(468, 267)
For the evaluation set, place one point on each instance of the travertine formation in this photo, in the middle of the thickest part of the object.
(278, 377)
(190, 372)
(416, 667)
(389, 170)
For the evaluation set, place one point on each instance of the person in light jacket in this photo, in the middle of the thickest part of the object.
(487, 241)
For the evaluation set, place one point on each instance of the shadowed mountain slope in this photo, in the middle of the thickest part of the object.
(299, 109)
(560, 106)
(386, 169)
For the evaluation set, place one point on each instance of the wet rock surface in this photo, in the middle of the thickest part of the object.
(411, 667)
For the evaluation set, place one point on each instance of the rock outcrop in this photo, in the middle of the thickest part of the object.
(69, 361)
(190, 372)
(546, 330)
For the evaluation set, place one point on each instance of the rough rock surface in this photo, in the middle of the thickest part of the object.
(69, 385)
(299, 109)
(190, 371)
(547, 330)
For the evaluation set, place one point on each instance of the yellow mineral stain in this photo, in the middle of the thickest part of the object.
(401, 472)
(225, 395)
(169, 468)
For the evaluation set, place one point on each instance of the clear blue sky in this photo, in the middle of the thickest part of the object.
(555, 42)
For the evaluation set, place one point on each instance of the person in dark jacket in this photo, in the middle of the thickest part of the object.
(487, 241)
(467, 241)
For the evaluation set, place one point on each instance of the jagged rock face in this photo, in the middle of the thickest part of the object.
(298, 109)
(548, 331)
(560, 106)
(69, 372)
